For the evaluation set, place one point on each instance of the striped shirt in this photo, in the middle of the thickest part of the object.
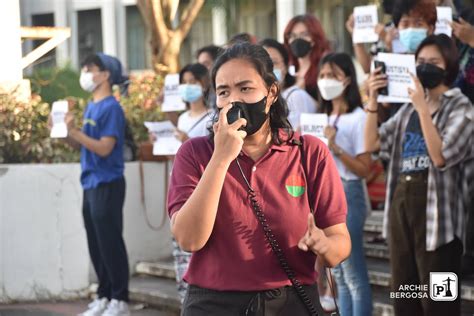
(445, 210)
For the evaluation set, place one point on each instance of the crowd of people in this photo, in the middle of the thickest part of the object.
(258, 211)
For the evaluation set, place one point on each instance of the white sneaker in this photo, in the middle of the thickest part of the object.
(117, 308)
(96, 307)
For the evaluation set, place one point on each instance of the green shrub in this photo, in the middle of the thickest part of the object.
(54, 84)
(142, 103)
(24, 136)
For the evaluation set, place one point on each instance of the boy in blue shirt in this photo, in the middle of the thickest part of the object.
(101, 143)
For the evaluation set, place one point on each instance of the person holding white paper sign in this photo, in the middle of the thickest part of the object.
(340, 99)
(306, 43)
(426, 143)
(101, 142)
(194, 89)
(414, 20)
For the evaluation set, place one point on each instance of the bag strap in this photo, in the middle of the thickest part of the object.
(197, 123)
(274, 245)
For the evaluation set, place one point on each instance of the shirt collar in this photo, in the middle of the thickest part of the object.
(451, 92)
(286, 141)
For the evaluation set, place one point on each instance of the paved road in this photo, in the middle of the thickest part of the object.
(67, 309)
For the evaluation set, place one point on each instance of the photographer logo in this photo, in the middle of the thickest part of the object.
(443, 286)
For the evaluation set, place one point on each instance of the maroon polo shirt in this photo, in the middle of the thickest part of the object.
(237, 256)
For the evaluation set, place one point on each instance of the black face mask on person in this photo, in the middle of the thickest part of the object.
(430, 75)
(253, 113)
(300, 47)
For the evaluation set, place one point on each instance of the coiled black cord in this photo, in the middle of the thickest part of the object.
(276, 247)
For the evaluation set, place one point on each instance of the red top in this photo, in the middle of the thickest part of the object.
(237, 256)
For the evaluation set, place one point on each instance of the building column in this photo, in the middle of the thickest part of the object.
(219, 26)
(121, 18)
(74, 40)
(109, 31)
(285, 10)
(61, 20)
(10, 59)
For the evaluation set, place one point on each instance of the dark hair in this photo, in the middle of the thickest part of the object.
(212, 50)
(387, 6)
(320, 47)
(426, 9)
(201, 74)
(351, 93)
(467, 14)
(258, 57)
(270, 42)
(242, 38)
(448, 50)
(93, 60)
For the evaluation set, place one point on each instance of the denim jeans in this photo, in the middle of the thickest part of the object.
(355, 295)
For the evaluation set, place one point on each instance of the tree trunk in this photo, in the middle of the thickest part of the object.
(166, 41)
(170, 54)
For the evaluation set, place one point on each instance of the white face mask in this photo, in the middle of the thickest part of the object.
(87, 81)
(330, 88)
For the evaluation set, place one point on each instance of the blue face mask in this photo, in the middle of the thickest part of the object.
(412, 37)
(190, 92)
(277, 73)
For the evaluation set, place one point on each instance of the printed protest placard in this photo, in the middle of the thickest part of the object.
(172, 101)
(398, 69)
(365, 20)
(445, 18)
(314, 124)
(58, 114)
(166, 144)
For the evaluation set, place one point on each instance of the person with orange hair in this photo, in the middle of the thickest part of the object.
(306, 43)
(414, 20)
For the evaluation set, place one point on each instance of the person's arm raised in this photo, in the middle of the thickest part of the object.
(371, 135)
(192, 225)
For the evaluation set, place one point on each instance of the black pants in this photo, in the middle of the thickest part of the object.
(283, 302)
(410, 263)
(102, 210)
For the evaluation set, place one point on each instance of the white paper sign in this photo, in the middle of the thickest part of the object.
(166, 143)
(314, 124)
(445, 17)
(365, 20)
(398, 69)
(172, 101)
(58, 114)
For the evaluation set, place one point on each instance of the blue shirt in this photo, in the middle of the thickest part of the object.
(415, 156)
(103, 119)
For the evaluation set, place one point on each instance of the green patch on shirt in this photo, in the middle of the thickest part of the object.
(295, 185)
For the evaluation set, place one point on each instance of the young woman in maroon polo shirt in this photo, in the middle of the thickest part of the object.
(251, 184)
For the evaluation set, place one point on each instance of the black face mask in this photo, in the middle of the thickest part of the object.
(253, 113)
(430, 75)
(300, 47)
